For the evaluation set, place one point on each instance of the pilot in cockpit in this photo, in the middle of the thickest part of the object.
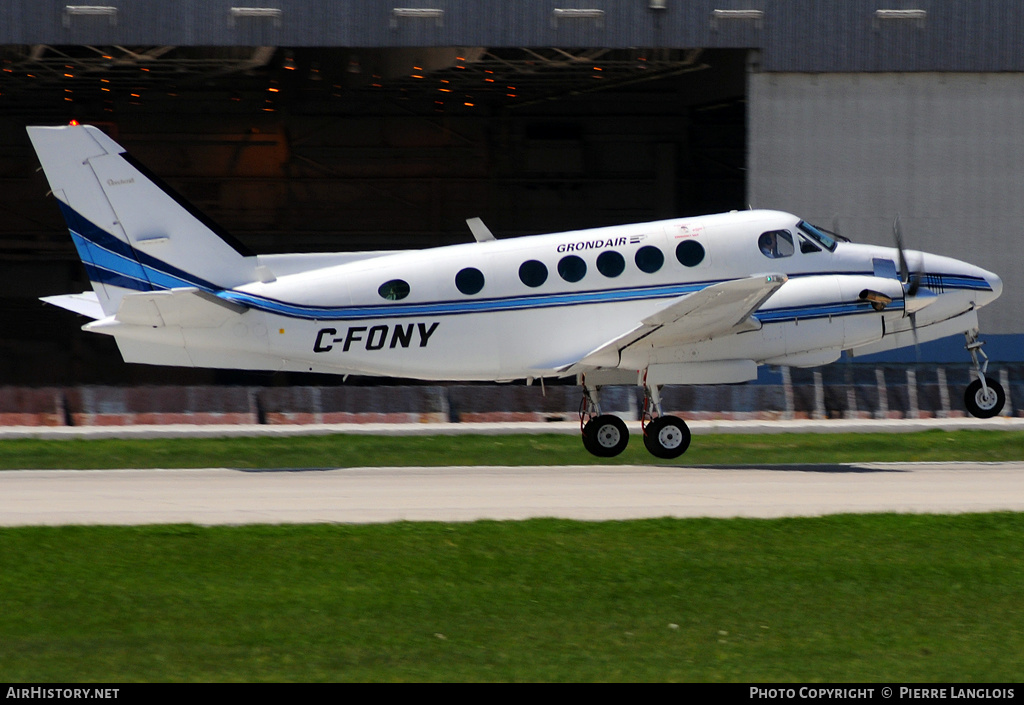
(773, 246)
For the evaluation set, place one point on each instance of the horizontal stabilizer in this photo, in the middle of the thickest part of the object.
(185, 307)
(87, 303)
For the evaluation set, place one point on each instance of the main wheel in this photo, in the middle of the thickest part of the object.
(981, 403)
(667, 437)
(605, 436)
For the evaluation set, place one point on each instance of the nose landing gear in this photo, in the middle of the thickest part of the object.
(984, 397)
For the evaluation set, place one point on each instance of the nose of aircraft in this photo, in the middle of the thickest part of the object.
(996, 283)
(984, 286)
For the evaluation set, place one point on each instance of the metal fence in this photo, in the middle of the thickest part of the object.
(839, 391)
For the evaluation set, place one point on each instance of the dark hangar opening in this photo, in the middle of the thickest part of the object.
(328, 149)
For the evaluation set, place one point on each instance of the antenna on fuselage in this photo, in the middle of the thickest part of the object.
(481, 233)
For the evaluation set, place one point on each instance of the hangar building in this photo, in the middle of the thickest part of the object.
(302, 125)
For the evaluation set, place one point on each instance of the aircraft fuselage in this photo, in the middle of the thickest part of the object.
(336, 319)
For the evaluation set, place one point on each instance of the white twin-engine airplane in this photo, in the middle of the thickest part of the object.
(697, 300)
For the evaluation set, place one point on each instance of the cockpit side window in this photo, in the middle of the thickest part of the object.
(807, 246)
(818, 235)
(776, 243)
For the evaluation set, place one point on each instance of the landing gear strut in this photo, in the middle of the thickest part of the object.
(665, 436)
(604, 435)
(984, 397)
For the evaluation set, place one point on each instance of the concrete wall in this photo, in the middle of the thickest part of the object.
(943, 150)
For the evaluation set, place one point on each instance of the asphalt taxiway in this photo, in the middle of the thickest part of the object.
(697, 427)
(368, 495)
(362, 495)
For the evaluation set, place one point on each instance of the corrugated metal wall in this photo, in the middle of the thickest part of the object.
(945, 151)
(373, 23)
(954, 35)
(793, 35)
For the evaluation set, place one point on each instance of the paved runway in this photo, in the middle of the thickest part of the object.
(366, 495)
(697, 427)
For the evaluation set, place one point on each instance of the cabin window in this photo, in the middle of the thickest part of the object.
(394, 290)
(469, 281)
(776, 243)
(533, 273)
(572, 268)
(649, 259)
(610, 263)
(690, 253)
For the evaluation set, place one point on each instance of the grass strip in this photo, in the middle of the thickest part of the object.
(869, 598)
(548, 449)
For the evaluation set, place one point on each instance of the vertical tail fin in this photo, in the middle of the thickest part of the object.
(132, 232)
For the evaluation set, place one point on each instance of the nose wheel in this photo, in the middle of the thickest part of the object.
(984, 397)
(984, 400)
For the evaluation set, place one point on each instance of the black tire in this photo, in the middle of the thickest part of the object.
(981, 405)
(667, 437)
(605, 436)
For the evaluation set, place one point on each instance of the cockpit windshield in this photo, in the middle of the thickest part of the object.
(815, 233)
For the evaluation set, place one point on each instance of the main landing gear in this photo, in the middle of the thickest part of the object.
(984, 397)
(606, 435)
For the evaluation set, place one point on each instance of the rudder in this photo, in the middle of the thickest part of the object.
(132, 232)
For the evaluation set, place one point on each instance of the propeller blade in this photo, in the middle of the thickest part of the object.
(915, 283)
(911, 284)
(897, 234)
(917, 343)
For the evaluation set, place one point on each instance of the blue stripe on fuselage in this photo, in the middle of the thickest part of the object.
(110, 260)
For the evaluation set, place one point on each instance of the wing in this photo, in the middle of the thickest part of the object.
(716, 310)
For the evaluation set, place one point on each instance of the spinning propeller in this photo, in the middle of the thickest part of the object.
(914, 299)
(911, 280)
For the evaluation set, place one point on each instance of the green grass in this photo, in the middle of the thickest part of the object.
(550, 449)
(870, 598)
(873, 598)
